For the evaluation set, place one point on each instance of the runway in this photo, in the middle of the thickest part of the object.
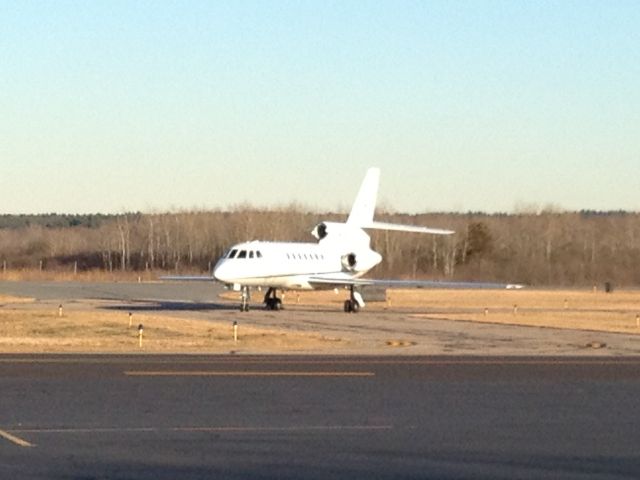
(192, 417)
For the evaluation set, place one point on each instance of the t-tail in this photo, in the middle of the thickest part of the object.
(362, 213)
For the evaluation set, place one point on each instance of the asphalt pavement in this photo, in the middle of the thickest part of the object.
(132, 291)
(196, 417)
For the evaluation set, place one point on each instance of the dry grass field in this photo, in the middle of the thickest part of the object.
(9, 299)
(37, 330)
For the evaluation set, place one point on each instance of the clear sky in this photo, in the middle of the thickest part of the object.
(465, 105)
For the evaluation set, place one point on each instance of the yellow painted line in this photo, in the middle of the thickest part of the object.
(14, 439)
(212, 373)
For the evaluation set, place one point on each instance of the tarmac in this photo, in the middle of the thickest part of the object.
(195, 417)
(411, 398)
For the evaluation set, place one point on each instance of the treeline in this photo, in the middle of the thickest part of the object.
(54, 220)
(547, 248)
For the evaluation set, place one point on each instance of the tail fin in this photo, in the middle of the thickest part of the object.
(361, 215)
(365, 203)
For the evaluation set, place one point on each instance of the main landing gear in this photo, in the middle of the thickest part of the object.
(355, 301)
(271, 300)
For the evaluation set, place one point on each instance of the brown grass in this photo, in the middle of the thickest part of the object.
(10, 299)
(38, 330)
(582, 310)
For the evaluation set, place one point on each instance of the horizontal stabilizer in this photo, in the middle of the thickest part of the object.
(407, 228)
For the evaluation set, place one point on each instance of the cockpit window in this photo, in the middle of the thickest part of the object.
(242, 254)
(232, 253)
(251, 254)
(258, 254)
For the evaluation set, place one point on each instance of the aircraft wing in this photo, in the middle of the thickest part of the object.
(325, 281)
(189, 278)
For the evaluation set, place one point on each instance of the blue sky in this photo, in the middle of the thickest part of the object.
(479, 105)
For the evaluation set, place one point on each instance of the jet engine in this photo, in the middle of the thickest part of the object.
(343, 233)
(349, 261)
(320, 231)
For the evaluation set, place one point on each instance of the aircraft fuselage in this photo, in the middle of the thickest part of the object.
(291, 265)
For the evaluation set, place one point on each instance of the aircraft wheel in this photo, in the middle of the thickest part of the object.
(273, 304)
(347, 306)
(351, 306)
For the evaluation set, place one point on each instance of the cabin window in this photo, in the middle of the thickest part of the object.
(242, 254)
(232, 253)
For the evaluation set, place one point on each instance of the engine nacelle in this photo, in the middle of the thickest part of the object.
(341, 233)
(320, 231)
(349, 262)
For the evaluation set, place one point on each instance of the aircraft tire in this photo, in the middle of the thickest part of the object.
(347, 306)
(273, 304)
(351, 306)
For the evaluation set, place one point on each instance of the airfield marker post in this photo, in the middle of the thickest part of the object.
(140, 330)
(130, 319)
(235, 331)
(60, 310)
(486, 311)
(637, 320)
(515, 309)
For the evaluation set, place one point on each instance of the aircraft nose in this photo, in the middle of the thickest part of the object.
(219, 270)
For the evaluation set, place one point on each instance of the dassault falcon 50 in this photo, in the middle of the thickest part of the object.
(340, 257)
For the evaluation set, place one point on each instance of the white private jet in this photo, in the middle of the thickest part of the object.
(340, 258)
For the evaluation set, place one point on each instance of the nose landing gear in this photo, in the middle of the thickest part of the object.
(245, 296)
